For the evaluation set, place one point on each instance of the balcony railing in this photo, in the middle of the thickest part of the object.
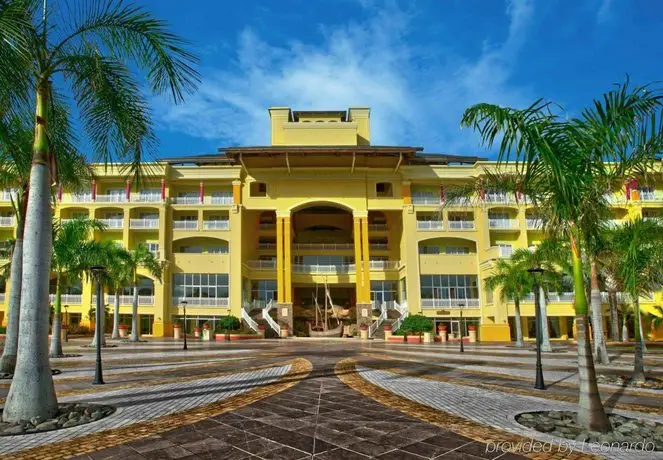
(300, 268)
(7, 221)
(377, 227)
(429, 225)
(378, 246)
(220, 199)
(202, 301)
(8, 195)
(534, 224)
(146, 198)
(450, 303)
(186, 200)
(322, 246)
(109, 299)
(267, 226)
(261, 264)
(195, 200)
(67, 299)
(81, 198)
(112, 223)
(384, 264)
(461, 225)
(553, 297)
(185, 224)
(426, 200)
(216, 225)
(143, 223)
(113, 198)
(502, 224)
(614, 223)
(500, 198)
(266, 245)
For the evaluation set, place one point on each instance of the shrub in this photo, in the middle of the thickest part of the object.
(226, 324)
(77, 329)
(3, 330)
(416, 324)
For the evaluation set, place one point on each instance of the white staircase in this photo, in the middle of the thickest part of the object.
(402, 309)
(249, 321)
(270, 321)
(378, 322)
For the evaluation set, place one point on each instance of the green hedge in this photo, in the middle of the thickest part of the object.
(415, 325)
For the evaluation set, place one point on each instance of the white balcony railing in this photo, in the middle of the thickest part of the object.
(7, 221)
(553, 297)
(384, 264)
(224, 199)
(8, 195)
(143, 223)
(321, 246)
(377, 227)
(113, 198)
(378, 246)
(202, 301)
(534, 224)
(261, 264)
(216, 225)
(502, 224)
(461, 225)
(500, 198)
(186, 200)
(450, 303)
(67, 299)
(429, 225)
(266, 245)
(426, 200)
(81, 198)
(506, 251)
(146, 198)
(112, 223)
(301, 268)
(185, 224)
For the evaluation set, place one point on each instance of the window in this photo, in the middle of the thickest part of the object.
(258, 189)
(506, 250)
(384, 190)
(429, 249)
(457, 250)
(148, 215)
(153, 248)
(449, 287)
(115, 215)
(217, 249)
(191, 249)
(200, 285)
(190, 218)
(383, 291)
(80, 215)
(263, 290)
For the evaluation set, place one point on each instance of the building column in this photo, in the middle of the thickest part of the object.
(235, 267)
(284, 310)
(359, 275)
(287, 260)
(410, 255)
(365, 257)
(237, 192)
(162, 325)
(279, 261)
(364, 307)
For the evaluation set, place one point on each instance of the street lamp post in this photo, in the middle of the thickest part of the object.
(184, 303)
(66, 315)
(536, 272)
(98, 271)
(460, 328)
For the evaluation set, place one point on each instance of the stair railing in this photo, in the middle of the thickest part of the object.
(270, 321)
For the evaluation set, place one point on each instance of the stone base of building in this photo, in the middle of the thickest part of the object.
(364, 314)
(495, 333)
(284, 315)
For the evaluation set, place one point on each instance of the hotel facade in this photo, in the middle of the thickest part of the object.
(260, 232)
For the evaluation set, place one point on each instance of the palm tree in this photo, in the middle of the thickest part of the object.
(119, 276)
(93, 53)
(565, 165)
(514, 283)
(15, 162)
(141, 257)
(67, 263)
(639, 246)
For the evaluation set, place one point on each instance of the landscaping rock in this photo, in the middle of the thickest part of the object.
(69, 415)
(16, 429)
(47, 426)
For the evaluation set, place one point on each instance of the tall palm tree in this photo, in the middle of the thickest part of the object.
(639, 246)
(565, 165)
(93, 52)
(15, 162)
(514, 283)
(68, 265)
(141, 257)
(119, 276)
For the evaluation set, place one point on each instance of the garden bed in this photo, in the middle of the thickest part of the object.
(234, 337)
(627, 382)
(68, 416)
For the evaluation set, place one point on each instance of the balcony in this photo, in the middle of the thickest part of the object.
(321, 246)
(379, 265)
(534, 224)
(67, 299)
(553, 297)
(8, 195)
(378, 246)
(503, 224)
(429, 225)
(439, 264)
(216, 225)
(113, 198)
(500, 198)
(267, 226)
(461, 225)
(450, 303)
(185, 225)
(261, 264)
(143, 224)
(377, 227)
(614, 223)
(426, 200)
(266, 245)
(188, 200)
(112, 224)
(329, 269)
(650, 196)
(146, 198)
(79, 198)
(202, 301)
(7, 221)
(109, 299)
(224, 200)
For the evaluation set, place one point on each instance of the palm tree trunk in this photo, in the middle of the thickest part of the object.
(591, 414)
(116, 316)
(600, 350)
(519, 325)
(614, 317)
(545, 333)
(103, 337)
(56, 343)
(643, 333)
(638, 364)
(135, 336)
(32, 393)
(624, 328)
(8, 360)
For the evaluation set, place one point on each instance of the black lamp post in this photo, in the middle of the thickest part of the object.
(66, 314)
(536, 272)
(184, 303)
(98, 271)
(460, 328)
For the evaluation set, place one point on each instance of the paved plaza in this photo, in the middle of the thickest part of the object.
(324, 399)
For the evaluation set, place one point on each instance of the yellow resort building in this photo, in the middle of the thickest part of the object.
(271, 234)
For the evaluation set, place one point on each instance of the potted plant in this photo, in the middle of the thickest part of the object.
(417, 325)
(122, 328)
(285, 329)
(177, 331)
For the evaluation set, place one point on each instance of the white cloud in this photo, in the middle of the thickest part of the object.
(417, 96)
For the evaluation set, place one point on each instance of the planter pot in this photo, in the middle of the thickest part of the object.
(207, 334)
(285, 332)
(123, 331)
(472, 331)
(387, 332)
(442, 332)
(413, 339)
(196, 332)
(396, 338)
(261, 330)
(177, 332)
(363, 332)
(427, 337)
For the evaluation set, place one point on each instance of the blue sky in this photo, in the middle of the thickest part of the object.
(417, 64)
